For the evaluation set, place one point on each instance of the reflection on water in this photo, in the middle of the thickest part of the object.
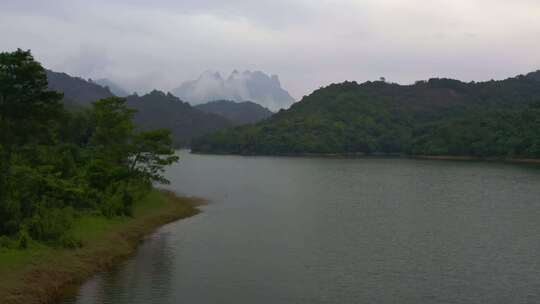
(312, 230)
(129, 281)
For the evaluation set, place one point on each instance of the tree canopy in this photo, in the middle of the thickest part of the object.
(56, 164)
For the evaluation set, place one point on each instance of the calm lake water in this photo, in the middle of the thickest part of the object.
(314, 230)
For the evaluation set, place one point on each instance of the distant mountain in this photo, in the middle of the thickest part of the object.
(534, 75)
(155, 110)
(255, 86)
(113, 87)
(77, 91)
(239, 113)
(435, 117)
(159, 110)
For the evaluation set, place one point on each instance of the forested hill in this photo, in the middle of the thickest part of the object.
(77, 91)
(434, 117)
(115, 88)
(534, 75)
(159, 110)
(239, 113)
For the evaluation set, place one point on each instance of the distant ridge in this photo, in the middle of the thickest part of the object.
(154, 110)
(238, 113)
(239, 86)
(157, 110)
(77, 91)
(534, 75)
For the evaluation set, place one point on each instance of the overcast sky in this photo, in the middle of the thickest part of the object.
(144, 44)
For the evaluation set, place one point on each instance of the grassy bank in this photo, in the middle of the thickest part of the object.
(41, 273)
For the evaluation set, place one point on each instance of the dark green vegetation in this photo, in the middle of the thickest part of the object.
(239, 113)
(435, 117)
(57, 166)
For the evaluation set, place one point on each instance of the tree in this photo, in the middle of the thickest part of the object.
(27, 109)
(122, 158)
(117, 143)
(152, 151)
(113, 129)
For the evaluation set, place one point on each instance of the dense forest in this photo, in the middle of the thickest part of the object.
(434, 117)
(57, 164)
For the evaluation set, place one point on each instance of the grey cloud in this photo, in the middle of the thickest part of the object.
(273, 13)
(159, 44)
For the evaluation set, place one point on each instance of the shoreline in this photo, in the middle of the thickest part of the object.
(473, 158)
(44, 274)
(389, 155)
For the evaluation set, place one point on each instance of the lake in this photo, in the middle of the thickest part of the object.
(316, 230)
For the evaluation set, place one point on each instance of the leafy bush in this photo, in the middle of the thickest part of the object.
(24, 240)
(7, 242)
(70, 242)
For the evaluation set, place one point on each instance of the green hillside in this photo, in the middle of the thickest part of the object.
(157, 110)
(434, 117)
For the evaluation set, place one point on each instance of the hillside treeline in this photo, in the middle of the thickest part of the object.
(435, 117)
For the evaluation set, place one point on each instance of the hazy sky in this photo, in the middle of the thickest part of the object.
(144, 44)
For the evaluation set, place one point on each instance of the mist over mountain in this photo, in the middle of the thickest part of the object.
(238, 113)
(115, 88)
(239, 86)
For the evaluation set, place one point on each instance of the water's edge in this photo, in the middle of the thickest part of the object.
(48, 280)
(333, 230)
(382, 155)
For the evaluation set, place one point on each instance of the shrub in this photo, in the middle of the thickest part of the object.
(24, 240)
(50, 224)
(68, 241)
(6, 242)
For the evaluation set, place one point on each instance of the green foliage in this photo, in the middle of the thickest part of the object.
(56, 165)
(435, 117)
(68, 241)
(49, 223)
(27, 117)
(152, 153)
(113, 129)
(6, 242)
